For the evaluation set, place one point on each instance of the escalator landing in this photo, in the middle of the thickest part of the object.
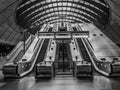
(61, 83)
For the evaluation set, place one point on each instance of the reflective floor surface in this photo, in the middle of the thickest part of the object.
(61, 83)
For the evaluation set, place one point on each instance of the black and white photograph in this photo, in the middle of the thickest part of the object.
(59, 44)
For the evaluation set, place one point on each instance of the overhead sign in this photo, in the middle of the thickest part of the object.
(64, 34)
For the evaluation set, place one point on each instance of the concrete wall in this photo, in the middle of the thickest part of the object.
(113, 29)
(9, 31)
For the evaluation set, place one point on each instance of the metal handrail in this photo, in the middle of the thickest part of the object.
(17, 48)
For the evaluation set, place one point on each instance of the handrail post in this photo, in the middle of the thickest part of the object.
(24, 36)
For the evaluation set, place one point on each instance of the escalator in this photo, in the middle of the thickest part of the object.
(27, 63)
(19, 56)
(84, 66)
(62, 64)
(85, 54)
(40, 56)
(82, 49)
(42, 52)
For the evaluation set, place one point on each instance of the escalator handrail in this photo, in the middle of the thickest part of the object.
(49, 44)
(91, 52)
(13, 52)
(93, 58)
(39, 42)
(19, 46)
(34, 57)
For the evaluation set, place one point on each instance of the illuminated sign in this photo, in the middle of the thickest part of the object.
(64, 34)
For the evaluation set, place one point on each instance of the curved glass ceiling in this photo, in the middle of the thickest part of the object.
(33, 13)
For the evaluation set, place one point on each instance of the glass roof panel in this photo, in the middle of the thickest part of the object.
(32, 11)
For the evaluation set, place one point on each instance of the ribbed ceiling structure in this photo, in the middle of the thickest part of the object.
(33, 13)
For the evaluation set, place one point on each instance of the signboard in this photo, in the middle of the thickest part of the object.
(64, 34)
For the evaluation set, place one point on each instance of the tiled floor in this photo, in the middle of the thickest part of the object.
(61, 83)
